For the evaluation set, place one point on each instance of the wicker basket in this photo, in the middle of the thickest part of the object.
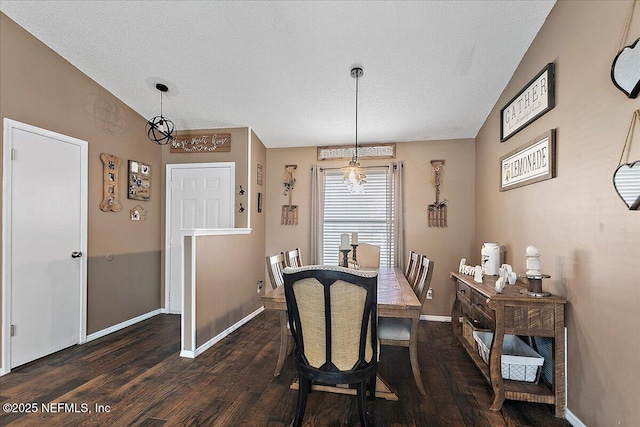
(519, 361)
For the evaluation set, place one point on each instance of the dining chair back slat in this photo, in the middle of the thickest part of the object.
(275, 267)
(293, 258)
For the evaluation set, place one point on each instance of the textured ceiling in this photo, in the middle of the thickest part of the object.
(432, 70)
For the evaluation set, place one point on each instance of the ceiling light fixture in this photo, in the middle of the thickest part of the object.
(354, 175)
(160, 129)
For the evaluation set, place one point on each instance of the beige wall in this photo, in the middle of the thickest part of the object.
(445, 246)
(40, 88)
(589, 241)
(228, 268)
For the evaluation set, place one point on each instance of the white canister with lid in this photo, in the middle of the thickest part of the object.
(490, 256)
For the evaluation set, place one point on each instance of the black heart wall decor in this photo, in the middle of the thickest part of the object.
(625, 70)
(626, 180)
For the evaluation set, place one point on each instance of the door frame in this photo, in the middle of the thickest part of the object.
(167, 222)
(9, 126)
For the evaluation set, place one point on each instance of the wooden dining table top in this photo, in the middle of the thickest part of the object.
(395, 296)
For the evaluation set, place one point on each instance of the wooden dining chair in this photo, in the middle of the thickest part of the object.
(413, 268)
(332, 311)
(275, 268)
(404, 332)
(293, 258)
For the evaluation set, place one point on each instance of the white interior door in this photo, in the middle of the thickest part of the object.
(44, 242)
(199, 197)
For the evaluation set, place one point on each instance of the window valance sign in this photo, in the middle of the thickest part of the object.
(533, 162)
(537, 97)
(365, 151)
(205, 143)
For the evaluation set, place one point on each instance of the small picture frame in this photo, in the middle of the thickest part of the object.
(259, 174)
(259, 202)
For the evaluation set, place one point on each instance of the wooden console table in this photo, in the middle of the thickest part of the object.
(512, 312)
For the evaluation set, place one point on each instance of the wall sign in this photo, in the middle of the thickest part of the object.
(535, 161)
(366, 151)
(537, 97)
(207, 143)
(139, 181)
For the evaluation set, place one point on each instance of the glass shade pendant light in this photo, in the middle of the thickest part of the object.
(354, 176)
(159, 128)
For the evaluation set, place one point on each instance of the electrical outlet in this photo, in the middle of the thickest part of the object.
(259, 285)
(430, 293)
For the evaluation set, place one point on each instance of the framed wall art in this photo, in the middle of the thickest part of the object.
(139, 180)
(110, 200)
(365, 151)
(533, 162)
(534, 100)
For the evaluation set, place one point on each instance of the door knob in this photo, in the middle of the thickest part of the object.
(76, 254)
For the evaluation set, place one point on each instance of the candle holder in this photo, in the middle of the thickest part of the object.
(354, 252)
(345, 257)
(534, 286)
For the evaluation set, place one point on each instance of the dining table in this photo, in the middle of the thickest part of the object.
(396, 298)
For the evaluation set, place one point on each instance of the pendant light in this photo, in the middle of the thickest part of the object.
(354, 176)
(160, 129)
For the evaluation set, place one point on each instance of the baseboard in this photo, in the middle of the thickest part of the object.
(204, 347)
(122, 325)
(431, 318)
(572, 419)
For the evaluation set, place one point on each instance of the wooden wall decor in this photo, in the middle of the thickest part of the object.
(110, 200)
(139, 181)
(206, 143)
(290, 211)
(138, 213)
(438, 210)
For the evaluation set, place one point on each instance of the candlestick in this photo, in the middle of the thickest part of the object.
(354, 246)
(345, 257)
(344, 242)
(354, 238)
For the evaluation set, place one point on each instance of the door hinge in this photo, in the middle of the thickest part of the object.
(13, 154)
(13, 330)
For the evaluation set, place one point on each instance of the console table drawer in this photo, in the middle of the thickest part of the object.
(479, 302)
(463, 292)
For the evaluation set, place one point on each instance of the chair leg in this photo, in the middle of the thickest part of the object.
(362, 411)
(413, 355)
(372, 386)
(284, 341)
(303, 390)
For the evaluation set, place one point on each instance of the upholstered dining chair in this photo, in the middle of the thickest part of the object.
(367, 256)
(332, 312)
(293, 258)
(404, 332)
(275, 267)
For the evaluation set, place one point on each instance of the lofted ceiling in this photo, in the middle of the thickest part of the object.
(432, 69)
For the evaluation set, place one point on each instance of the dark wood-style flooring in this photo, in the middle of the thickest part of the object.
(139, 379)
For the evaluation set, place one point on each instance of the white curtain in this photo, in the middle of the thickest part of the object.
(317, 214)
(396, 172)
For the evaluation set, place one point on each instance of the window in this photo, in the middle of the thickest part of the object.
(370, 214)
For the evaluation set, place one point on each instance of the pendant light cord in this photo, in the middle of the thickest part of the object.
(356, 152)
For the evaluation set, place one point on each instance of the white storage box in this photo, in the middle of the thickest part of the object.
(519, 361)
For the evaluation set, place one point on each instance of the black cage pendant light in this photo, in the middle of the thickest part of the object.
(354, 176)
(160, 129)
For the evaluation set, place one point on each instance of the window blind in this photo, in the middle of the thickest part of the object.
(370, 214)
